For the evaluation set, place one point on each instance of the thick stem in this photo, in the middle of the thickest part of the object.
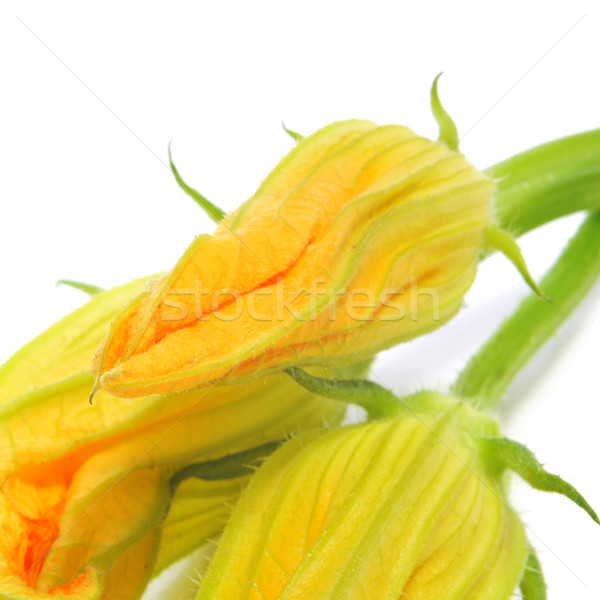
(491, 370)
(547, 182)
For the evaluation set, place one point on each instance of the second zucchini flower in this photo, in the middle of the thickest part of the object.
(411, 506)
(395, 508)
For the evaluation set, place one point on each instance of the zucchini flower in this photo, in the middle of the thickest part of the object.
(84, 489)
(411, 506)
(362, 237)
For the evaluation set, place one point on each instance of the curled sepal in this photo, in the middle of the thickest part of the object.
(297, 137)
(491, 370)
(533, 585)
(503, 453)
(230, 466)
(448, 131)
(213, 211)
(88, 288)
(375, 399)
(500, 240)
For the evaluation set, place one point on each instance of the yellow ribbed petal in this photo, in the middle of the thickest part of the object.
(198, 512)
(503, 572)
(129, 577)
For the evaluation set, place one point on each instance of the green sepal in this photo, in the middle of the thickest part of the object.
(293, 134)
(533, 585)
(498, 239)
(448, 131)
(502, 453)
(231, 466)
(213, 211)
(88, 288)
(490, 371)
(375, 399)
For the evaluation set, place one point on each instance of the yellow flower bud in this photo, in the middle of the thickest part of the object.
(362, 237)
(402, 508)
(84, 489)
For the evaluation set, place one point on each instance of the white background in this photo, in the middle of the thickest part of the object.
(92, 93)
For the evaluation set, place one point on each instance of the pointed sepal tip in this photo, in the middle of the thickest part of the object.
(297, 137)
(212, 210)
(502, 453)
(448, 130)
(497, 239)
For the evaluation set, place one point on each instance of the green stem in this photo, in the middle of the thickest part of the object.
(547, 182)
(377, 401)
(491, 370)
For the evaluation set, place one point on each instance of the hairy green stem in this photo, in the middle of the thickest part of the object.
(547, 182)
(491, 370)
(378, 401)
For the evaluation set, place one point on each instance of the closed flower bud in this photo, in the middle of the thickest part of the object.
(400, 508)
(84, 489)
(362, 237)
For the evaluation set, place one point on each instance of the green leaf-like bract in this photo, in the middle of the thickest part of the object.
(88, 288)
(503, 453)
(502, 241)
(297, 137)
(489, 372)
(213, 211)
(448, 131)
(533, 586)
